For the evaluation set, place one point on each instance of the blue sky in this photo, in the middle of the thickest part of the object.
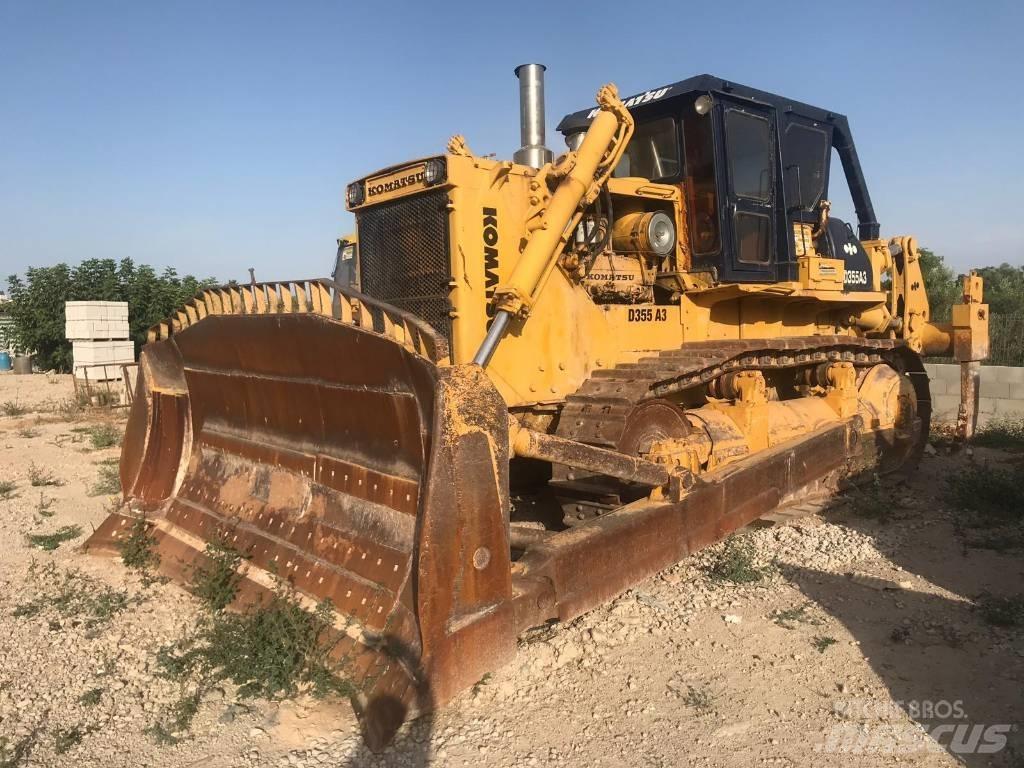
(214, 136)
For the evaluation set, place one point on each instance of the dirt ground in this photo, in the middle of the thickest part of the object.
(863, 646)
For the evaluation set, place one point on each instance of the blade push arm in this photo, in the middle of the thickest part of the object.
(580, 176)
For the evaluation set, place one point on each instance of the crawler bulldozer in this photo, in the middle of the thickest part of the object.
(535, 382)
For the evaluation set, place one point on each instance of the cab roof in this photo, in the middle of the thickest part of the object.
(694, 86)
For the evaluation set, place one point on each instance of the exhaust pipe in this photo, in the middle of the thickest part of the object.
(531, 116)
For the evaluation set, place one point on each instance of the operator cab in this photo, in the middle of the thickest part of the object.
(753, 168)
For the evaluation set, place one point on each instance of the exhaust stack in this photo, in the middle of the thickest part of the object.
(531, 116)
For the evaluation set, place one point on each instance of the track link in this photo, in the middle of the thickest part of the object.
(597, 413)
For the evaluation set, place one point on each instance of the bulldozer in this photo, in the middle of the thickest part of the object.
(535, 382)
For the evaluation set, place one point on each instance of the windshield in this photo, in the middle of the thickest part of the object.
(653, 152)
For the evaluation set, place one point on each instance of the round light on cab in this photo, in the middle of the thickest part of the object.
(703, 104)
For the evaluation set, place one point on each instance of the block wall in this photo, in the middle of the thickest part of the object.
(1001, 392)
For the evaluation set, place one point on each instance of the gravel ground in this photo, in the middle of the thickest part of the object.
(862, 638)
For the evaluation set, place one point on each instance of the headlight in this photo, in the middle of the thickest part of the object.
(435, 171)
(355, 194)
(652, 232)
(661, 234)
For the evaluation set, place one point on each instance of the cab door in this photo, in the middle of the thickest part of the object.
(750, 219)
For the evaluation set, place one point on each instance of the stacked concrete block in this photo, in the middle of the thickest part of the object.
(96, 320)
(1000, 392)
(105, 352)
(98, 331)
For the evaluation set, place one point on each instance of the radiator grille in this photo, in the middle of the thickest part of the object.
(403, 256)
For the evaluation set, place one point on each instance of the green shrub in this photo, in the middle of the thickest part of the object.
(72, 594)
(15, 754)
(1006, 434)
(699, 699)
(790, 617)
(50, 541)
(91, 697)
(735, 563)
(216, 581)
(137, 551)
(38, 477)
(69, 410)
(176, 719)
(822, 644)
(66, 738)
(1003, 611)
(108, 482)
(104, 436)
(990, 494)
(270, 650)
(43, 507)
(13, 408)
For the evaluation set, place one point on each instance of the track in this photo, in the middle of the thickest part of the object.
(599, 411)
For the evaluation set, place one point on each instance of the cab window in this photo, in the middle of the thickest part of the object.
(652, 153)
(806, 149)
(699, 184)
(749, 149)
(753, 237)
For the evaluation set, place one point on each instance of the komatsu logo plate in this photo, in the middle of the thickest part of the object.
(395, 183)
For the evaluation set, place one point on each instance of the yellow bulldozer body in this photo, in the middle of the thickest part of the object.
(569, 335)
(527, 394)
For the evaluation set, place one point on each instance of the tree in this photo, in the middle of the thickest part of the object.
(37, 303)
(37, 308)
(941, 284)
(1004, 289)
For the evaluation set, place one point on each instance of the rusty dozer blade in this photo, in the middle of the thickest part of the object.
(341, 460)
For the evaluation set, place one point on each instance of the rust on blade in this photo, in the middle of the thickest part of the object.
(336, 456)
(581, 568)
(315, 479)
